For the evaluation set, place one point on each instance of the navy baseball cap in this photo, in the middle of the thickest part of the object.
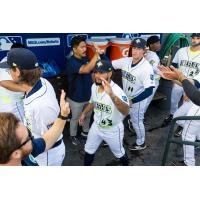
(22, 58)
(103, 66)
(139, 43)
(195, 35)
(152, 39)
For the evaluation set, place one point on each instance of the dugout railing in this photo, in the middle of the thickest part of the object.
(171, 139)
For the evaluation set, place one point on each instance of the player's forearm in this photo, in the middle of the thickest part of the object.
(52, 135)
(11, 85)
(121, 106)
(88, 108)
(147, 93)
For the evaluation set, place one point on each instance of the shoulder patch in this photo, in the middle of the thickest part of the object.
(152, 77)
(125, 98)
(151, 62)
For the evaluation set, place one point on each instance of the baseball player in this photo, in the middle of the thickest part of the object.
(11, 101)
(187, 103)
(184, 109)
(187, 59)
(190, 127)
(138, 83)
(19, 147)
(110, 106)
(153, 42)
(40, 103)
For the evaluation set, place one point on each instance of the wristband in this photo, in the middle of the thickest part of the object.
(62, 117)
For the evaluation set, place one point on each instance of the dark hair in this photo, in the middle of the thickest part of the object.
(29, 77)
(17, 45)
(9, 142)
(152, 39)
(76, 40)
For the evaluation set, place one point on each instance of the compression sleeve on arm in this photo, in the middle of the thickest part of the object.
(147, 92)
(191, 91)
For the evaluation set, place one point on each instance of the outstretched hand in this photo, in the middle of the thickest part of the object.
(98, 50)
(64, 106)
(169, 73)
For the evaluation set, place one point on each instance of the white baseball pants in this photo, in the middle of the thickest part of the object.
(183, 111)
(191, 133)
(137, 111)
(176, 94)
(113, 137)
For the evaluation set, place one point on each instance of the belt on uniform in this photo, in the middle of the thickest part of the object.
(57, 143)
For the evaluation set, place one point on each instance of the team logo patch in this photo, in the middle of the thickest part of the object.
(152, 77)
(14, 65)
(99, 64)
(152, 62)
(138, 41)
(125, 98)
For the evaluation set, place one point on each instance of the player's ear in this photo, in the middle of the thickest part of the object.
(16, 155)
(18, 71)
(109, 75)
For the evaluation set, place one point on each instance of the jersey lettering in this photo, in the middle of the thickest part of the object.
(103, 108)
(190, 64)
(129, 77)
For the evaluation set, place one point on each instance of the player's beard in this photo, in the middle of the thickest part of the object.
(26, 152)
(98, 84)
(194, 44)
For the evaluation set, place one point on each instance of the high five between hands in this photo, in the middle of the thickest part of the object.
(170, 73)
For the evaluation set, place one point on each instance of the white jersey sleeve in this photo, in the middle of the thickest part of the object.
(121, 95)
(154, 60)
(176, 57)
(92, 93)
(120, 63)
(4, 75)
